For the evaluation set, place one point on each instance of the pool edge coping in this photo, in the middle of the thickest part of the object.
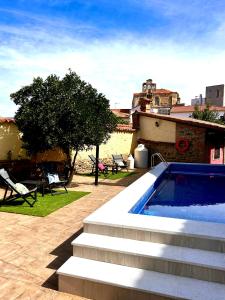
(109, 215)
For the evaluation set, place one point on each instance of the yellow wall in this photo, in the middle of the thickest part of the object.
(119, 143)
(166, 132)
(10, 141)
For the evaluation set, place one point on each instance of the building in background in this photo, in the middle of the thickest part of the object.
(186, 111)
(198, 100)
(154, 100)
(215, 95)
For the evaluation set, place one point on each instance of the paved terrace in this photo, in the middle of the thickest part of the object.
(33, 248)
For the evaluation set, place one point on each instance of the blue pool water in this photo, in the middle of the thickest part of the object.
(186, 191)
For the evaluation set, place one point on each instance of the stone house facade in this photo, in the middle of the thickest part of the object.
(180, 139)
(214, 95)
(152, 98)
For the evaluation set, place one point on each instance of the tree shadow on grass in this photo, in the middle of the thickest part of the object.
(11, 202)
(63, 252)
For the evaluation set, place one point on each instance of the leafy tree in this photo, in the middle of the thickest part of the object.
(122, 121)
(206, 114)
(67, 113)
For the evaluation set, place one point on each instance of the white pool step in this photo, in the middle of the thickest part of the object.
(174, 253)
(93, 279)
(200, 264)
(201, 239)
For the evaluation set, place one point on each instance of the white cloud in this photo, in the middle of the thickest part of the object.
(117, 67)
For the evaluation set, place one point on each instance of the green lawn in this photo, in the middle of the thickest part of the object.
(111, 176)
(43, 206)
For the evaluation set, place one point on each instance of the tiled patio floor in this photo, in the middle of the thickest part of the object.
(33, 248)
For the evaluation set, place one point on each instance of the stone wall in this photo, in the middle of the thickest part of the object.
(197, 150)
(85, 165)
(215, 95)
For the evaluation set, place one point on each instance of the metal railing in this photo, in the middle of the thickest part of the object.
(159, 155)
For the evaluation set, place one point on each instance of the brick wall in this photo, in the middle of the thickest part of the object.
(197, 150)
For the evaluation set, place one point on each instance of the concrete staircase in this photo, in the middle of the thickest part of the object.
(127, 263)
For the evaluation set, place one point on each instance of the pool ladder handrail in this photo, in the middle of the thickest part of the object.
(159, 155)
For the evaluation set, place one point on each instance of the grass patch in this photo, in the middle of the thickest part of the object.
(118, 175)
(43, 206)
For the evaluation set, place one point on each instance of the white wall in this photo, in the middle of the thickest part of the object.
(188, 114)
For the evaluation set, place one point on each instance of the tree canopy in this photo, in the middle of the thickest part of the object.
(206, 114)
(67, 113)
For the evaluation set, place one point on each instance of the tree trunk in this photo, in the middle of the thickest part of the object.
(72, 165)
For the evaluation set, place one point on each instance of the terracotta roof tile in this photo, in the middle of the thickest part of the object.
(157, 91)
(191, 108)
(190, 121)
(162, 91)
(7, 120)
(122, 113)
(125, 128)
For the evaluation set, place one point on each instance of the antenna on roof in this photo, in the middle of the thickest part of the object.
(200, 96)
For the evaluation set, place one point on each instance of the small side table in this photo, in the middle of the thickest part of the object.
(114, 168)
(40, 184)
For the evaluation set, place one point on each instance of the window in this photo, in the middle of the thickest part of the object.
(217, 152)
(157, 101)
(144, 87)
(217, 93)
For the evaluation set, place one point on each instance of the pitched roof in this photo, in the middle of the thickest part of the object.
(7, 120)
(189, 121)
(191, 108)
(122, 113)
(156, 92)
(162, 91)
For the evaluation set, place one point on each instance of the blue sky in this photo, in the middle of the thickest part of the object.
(114, 45)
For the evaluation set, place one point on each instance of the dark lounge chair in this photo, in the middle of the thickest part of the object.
(53, 181)
(52, 178)
(20, 190)
(119, 161)
(101, 167)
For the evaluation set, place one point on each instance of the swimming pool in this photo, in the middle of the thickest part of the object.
(186, 191)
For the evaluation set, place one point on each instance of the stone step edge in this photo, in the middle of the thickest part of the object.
(153, 229)
(125, 246)
(141, 280)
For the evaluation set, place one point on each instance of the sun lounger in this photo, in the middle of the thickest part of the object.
(119, 161)
(17, 190)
